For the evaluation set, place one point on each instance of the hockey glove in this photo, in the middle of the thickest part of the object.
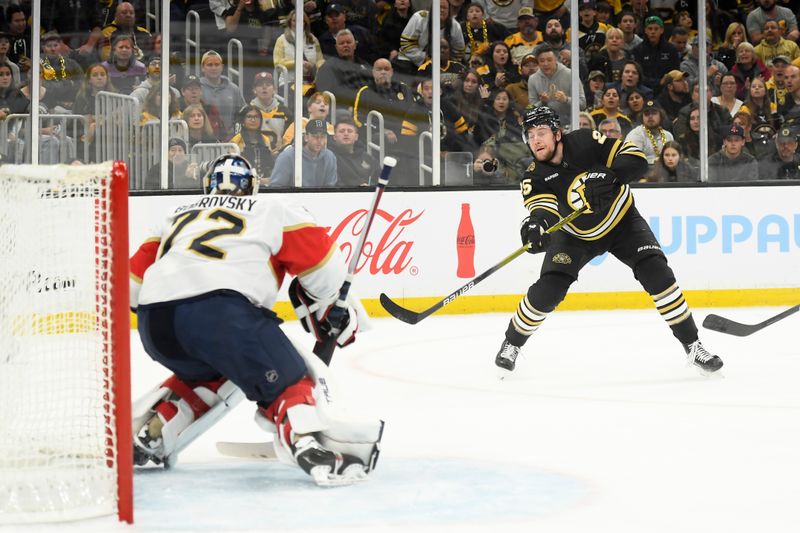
(600, 189)
(313, 316)
(534, 231)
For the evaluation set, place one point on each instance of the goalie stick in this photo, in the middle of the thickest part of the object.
(726, 325)
(324, 349)
(247, 450)
(411, 317)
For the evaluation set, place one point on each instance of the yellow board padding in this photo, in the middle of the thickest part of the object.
(580, 301)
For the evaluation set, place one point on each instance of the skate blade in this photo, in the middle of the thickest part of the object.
(503, 373)
(352, 474)
(708, 374)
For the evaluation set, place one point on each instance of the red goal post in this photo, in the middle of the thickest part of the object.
(65, 406)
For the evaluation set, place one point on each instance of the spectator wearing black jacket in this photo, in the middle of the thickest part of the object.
(355, 167)
(655, 54)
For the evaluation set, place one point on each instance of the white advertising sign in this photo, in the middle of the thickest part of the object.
(714, 238)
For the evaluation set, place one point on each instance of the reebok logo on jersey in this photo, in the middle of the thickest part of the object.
(551, 176)
(562, 259)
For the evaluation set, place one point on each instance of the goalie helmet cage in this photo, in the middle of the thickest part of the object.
(65, 410)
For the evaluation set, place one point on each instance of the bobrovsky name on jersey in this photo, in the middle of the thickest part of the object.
(725, 234)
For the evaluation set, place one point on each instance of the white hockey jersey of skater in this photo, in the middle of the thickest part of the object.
(240, 243)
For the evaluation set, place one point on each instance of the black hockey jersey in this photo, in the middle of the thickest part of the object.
(554, 191)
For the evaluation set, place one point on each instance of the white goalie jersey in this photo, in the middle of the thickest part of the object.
(240, 243)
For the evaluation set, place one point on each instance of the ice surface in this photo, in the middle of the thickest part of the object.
(602, 427)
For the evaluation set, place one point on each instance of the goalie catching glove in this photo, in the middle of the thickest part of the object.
(313, 315)
(600, 189)
(534, 231)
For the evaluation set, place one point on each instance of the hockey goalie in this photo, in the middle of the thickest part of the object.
(203, 287)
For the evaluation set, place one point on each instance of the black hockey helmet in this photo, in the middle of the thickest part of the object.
(540, 116)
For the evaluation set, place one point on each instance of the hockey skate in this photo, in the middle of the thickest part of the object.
(506, 358)
(327, 468)
(701, 358)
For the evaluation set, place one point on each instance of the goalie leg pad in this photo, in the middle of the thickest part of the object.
(179, 412)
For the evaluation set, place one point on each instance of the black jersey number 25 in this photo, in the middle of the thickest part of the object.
(232, 225)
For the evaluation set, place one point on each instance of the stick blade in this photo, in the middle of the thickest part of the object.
(724, 325)
(400, 313)
(247, 450)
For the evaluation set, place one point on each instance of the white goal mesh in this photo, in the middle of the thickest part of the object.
(64, 377)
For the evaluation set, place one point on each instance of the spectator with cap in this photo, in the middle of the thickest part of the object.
(192, 94)
(220, 91)
(180, 174)
(153, 64)
(519, 90)
(591, 32)
(505, 12)
(523, 42)
(674, 94)
(336, 21)
(480, 32)
(344, 74)
(773, 44)
(61, 76)
(610, 59)
(732, 162)
(776, 85)
(655, 55)
(691, 65)
(274, 115)
(319, 163)
(769, 10)
(594, 88)
(784, 162)
(650, 136)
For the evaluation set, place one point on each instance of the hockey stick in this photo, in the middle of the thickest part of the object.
(411, 317)
(726, 325)
(324, 349)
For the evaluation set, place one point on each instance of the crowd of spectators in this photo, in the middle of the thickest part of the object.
(638, 63)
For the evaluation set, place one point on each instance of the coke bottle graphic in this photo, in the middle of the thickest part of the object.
(465, 245)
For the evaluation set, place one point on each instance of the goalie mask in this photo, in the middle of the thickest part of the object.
(231, 174)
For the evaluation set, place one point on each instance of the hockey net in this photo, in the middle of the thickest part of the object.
(65, 444)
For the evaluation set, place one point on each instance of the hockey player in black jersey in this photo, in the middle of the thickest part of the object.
(568, 172)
